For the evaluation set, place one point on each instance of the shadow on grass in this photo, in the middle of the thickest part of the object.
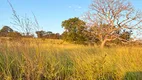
(133, 76)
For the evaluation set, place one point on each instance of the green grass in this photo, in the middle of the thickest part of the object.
(58, 60)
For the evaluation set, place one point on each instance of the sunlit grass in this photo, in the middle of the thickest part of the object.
(58, 60)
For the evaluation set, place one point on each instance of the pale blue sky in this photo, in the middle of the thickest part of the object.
(50, 13)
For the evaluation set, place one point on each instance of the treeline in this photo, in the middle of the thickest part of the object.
(6, 31)
(48, 35)
(75, 31)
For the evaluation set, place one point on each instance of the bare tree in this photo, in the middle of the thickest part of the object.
(108, 18)
(26, 24)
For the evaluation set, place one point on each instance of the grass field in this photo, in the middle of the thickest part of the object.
(57, 60)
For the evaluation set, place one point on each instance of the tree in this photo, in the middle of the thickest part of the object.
(5, 30)
(40, 34)
(74, 30)
(126, 35)
(48, 35)
(124, 38)
(108, 18)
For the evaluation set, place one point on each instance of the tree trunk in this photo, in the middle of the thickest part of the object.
(103, 43)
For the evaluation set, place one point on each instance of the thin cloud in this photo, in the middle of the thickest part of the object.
(75, 7)
(70, 6)
(79, 7)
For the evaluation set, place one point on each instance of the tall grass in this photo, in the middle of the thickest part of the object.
(55, 60)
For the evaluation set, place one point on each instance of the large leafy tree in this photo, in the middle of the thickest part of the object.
(74, 30)
(109, 18)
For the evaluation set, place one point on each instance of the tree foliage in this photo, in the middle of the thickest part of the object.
(74, 30)
(47, 35)
(5, 30)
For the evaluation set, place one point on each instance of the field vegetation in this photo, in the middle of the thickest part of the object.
(36, 59)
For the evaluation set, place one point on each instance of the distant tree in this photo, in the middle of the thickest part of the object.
(40, 34)
(126, 35)
(5, 30)
(74, 30)
(47, 35)
(109, 17)
(58, 36)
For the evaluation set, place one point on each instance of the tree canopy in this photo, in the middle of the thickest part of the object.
(74, 30)
(48, 34)
(109, 18)
(5, 30)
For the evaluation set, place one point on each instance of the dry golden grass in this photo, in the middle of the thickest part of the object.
(36, 59)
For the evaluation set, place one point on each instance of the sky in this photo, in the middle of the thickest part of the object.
(49, 13)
